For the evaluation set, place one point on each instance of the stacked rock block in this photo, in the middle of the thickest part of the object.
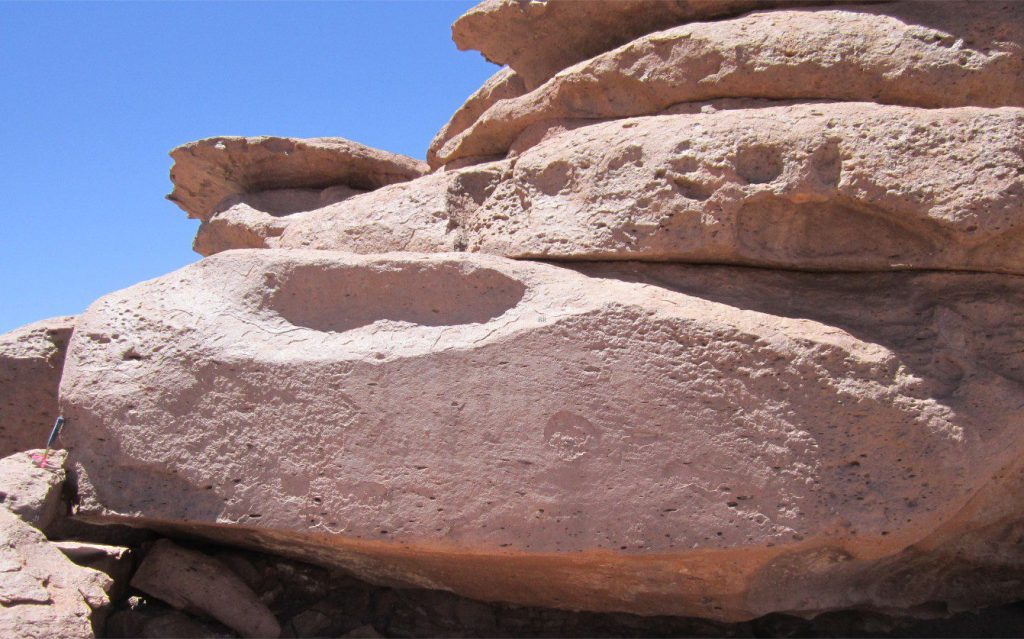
(542, 370)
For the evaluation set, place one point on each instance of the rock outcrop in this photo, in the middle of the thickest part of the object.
(42, 593)
(920, 54)
(750, 427)
(545, 374)
(848, 186)
(539, 38)
(208, 171)
(31, 360)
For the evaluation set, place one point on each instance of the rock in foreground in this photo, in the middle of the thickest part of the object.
(705, 441)
(31, 361)
(187, 579)
(43, 594)
(31, 491)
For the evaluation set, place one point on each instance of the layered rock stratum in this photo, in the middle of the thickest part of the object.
(538, 39)
(920, 54)
(696, 308)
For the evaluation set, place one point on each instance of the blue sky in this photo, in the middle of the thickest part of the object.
(95, 94)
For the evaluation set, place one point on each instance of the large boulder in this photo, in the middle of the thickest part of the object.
(847, 186)
(709, 441)
(943, 60)
(540, 38)
(282, 175)
(42, 593)
(31, 361)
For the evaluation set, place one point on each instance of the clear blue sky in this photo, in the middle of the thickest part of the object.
(94, 95)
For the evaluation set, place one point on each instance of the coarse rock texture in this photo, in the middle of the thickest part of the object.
(31, 361)
(31, 491)
(540, 38)
(208, 171)
(845, 186)
(249, 220)
(709, 441)
(43, 594)
(840, 186)
(943, 60)
(413, 216)
(504, 84)
(190, 580)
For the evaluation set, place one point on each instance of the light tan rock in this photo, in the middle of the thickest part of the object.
(31, 360)
(207, 171)
(504, 84)
(31, 492)
(926, 54)
(414, 216)
(253, 220)
(43, 594)
(716, 442)
(831, 186)
(190, 580)
(538, 38)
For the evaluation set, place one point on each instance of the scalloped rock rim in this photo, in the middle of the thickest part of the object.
(207, 171)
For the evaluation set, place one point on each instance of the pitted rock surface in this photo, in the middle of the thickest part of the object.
(207, 171)
(31, 361)
(851, 186)
(922, 54)
(515, 431)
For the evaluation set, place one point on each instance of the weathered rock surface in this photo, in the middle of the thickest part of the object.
(850, 186)
(539, 39)
(187, 579)
(414, 216)
(207, 171)
(31, 360)
(504, 84)
(943, 60)
(717, 442)
(30, 492)
(43, 594)
(828, 186)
